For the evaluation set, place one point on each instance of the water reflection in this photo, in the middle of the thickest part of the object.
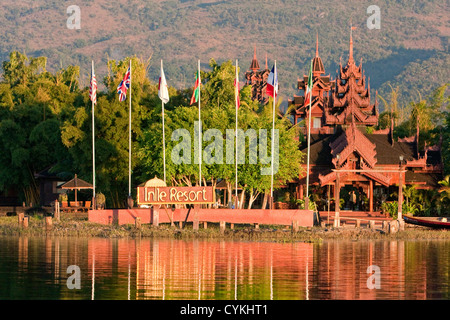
(36, 268)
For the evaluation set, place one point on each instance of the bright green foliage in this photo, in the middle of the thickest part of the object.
(218, 112)
(45, 121)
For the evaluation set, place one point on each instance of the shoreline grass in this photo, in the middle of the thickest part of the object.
(81, 227)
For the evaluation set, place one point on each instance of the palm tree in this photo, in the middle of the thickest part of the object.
(445, 189)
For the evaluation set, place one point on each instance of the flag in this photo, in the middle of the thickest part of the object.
(163, 92)
(93, 86)
(272, 83)
(237, 91)
(124, 86)
(196, 92)
(309, 85)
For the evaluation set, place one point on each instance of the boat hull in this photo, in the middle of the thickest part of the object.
(431, 222)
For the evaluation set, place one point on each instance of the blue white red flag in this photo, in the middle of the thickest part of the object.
(124, 86)
(272, 83)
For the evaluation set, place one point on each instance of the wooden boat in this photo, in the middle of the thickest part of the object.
(432, 222)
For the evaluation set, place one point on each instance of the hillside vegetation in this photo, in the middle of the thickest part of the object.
(409, 51)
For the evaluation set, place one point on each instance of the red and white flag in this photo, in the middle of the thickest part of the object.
(93, 86)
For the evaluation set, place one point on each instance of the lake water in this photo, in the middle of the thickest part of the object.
(121, 269)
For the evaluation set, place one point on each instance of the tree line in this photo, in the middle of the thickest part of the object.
(45, 122)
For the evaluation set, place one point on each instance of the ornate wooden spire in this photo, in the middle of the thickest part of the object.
(318, 67)
(255, 64)
(257, 79)
(351, 98)
(350, 54)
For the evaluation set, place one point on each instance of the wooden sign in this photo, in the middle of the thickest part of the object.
(175, 195)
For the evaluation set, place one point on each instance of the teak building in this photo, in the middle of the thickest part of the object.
(257, 79)
(348, 159)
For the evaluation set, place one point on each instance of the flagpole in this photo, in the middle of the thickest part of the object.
(309, 141)
(93, 138)
(199, 129)
(273, 134)
(163, 130)
(129, 143)
(236, 103)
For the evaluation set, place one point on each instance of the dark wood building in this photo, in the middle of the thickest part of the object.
(346, 155)
(257, 79)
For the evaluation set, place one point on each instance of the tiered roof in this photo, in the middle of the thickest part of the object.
(351, 98)
(322, 86)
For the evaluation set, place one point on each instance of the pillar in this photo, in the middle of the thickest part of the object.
(20, 217)
(26, 219)
(137, 223)
(371, 195)
(155, 219)
(48, 223)
(295, 227)
(400, 193)
(56, 214)
(222, 226)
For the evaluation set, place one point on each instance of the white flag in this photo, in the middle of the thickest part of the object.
(163, 92)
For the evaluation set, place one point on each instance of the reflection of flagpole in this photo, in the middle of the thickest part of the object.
(307, 280)
(271, 275)
(129, 273)
(164, 282)
(93, 275)
(235, 278)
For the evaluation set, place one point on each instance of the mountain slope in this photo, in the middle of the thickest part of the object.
(413, 37)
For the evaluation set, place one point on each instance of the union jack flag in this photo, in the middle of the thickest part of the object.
(93, 86)
(124, 86)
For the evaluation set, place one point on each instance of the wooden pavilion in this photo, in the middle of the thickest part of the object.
(347, 156)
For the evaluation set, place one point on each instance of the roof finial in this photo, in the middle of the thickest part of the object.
(317, 44)
(267, 65)
(254, 65)
(350, 58)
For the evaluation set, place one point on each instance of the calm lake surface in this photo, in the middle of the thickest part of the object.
(121, 269)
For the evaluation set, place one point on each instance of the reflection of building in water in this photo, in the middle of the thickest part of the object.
(170, 269)
(195, 269)
(341, 270)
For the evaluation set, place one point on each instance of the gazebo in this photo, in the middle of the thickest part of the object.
(76, 184)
